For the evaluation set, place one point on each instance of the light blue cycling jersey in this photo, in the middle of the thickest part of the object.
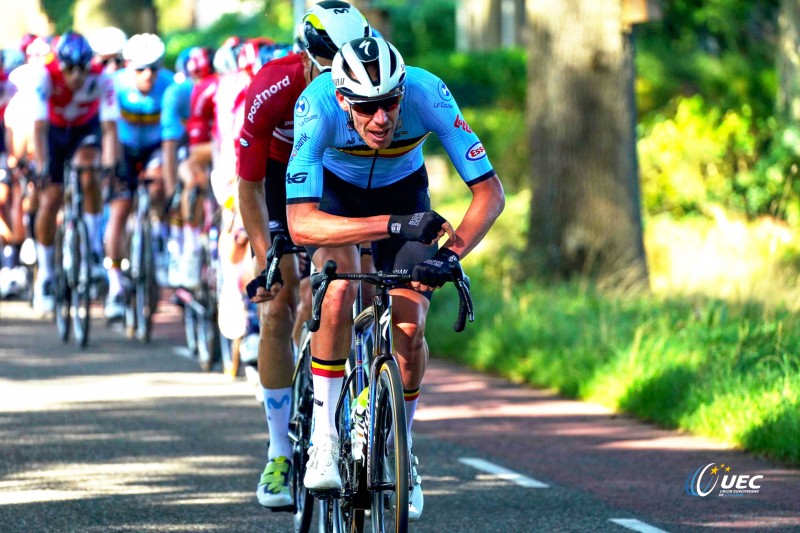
(175, 110)
(139, 124)
(322, 136)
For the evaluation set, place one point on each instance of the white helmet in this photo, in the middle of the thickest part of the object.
(108, 41)
(144, 50)
(350, 75)
(326, 26)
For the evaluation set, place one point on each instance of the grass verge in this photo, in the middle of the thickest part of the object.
(727, 369)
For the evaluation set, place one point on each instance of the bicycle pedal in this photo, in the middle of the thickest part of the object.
(325, 494)
(285, 509)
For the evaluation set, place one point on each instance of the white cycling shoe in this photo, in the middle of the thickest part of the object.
(415, 499)
(322, 470)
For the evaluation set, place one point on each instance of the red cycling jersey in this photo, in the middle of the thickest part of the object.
(201, 110)
(269, 116)
(62, 107)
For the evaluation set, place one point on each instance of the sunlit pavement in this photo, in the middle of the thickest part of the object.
(123, 436)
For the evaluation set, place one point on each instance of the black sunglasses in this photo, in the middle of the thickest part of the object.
(117, 60)
(370, 107)
(80, 69)
(153, 67)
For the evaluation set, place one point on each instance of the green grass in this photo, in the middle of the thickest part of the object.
(726, 368)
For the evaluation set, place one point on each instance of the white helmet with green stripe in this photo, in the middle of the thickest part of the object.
(329, 24)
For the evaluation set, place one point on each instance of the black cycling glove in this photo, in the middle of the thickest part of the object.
(422, 227)
(437, 270)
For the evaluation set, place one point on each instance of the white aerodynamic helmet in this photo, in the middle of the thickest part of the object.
(328, 25)
(350, 69)
(144, 50)
(108, 41)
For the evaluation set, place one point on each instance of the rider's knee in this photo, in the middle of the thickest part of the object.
(339, 299)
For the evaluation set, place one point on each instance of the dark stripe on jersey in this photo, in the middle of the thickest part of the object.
(396, 149)
(303, 200)
(479, 179)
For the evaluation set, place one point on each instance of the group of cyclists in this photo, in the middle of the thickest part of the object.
(320, 141)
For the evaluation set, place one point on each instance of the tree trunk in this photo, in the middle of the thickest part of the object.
(789, 61)
(132, 16)
(585, 213)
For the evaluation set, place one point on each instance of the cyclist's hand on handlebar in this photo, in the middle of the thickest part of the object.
(257, 289)
(426, 227)
(434, 272)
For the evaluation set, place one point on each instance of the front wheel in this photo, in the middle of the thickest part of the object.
(81, 282)
(389, 454)
(62, 295)
(300, 434)
(145, 287)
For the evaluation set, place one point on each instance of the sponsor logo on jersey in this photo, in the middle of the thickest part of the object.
(444, 92)
(301, 108)
(243, 142)
(443, 104)
(475, 152)
(300, 142)
(307, 120)
(298, 177)
(461, 123)
(265, 95)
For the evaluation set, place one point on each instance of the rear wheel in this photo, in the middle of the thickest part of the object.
(390, 459)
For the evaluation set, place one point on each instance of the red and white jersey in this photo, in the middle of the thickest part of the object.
(228, 118)
(57, 103)
(269, 116)
(202, 107)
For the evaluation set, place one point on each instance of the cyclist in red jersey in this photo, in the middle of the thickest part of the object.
(265, 146)
(75, 114)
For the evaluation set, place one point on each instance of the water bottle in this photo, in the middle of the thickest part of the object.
(358, 429)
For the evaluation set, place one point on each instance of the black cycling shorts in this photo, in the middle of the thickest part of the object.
(63, 142)
(134, 161)
(404, 197)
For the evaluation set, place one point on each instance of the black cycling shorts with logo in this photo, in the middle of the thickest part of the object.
(407, 196)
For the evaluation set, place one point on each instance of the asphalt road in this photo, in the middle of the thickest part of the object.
(125, 437)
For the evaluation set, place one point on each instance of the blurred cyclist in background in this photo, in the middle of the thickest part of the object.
(13, 276)
(108, 44)
(140, 87)
(75, 115)
(194, 68)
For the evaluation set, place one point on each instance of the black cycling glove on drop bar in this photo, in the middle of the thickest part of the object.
(422, 227)
(437, 270)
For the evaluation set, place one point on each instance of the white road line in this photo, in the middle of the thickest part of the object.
(636, 525)
(503, 473)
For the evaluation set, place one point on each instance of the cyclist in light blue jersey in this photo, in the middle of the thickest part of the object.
(357, 174)
(140, 88)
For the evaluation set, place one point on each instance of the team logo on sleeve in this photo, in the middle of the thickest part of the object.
(444, 92)
(302, 107)
(299, 177)
(475, 152)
